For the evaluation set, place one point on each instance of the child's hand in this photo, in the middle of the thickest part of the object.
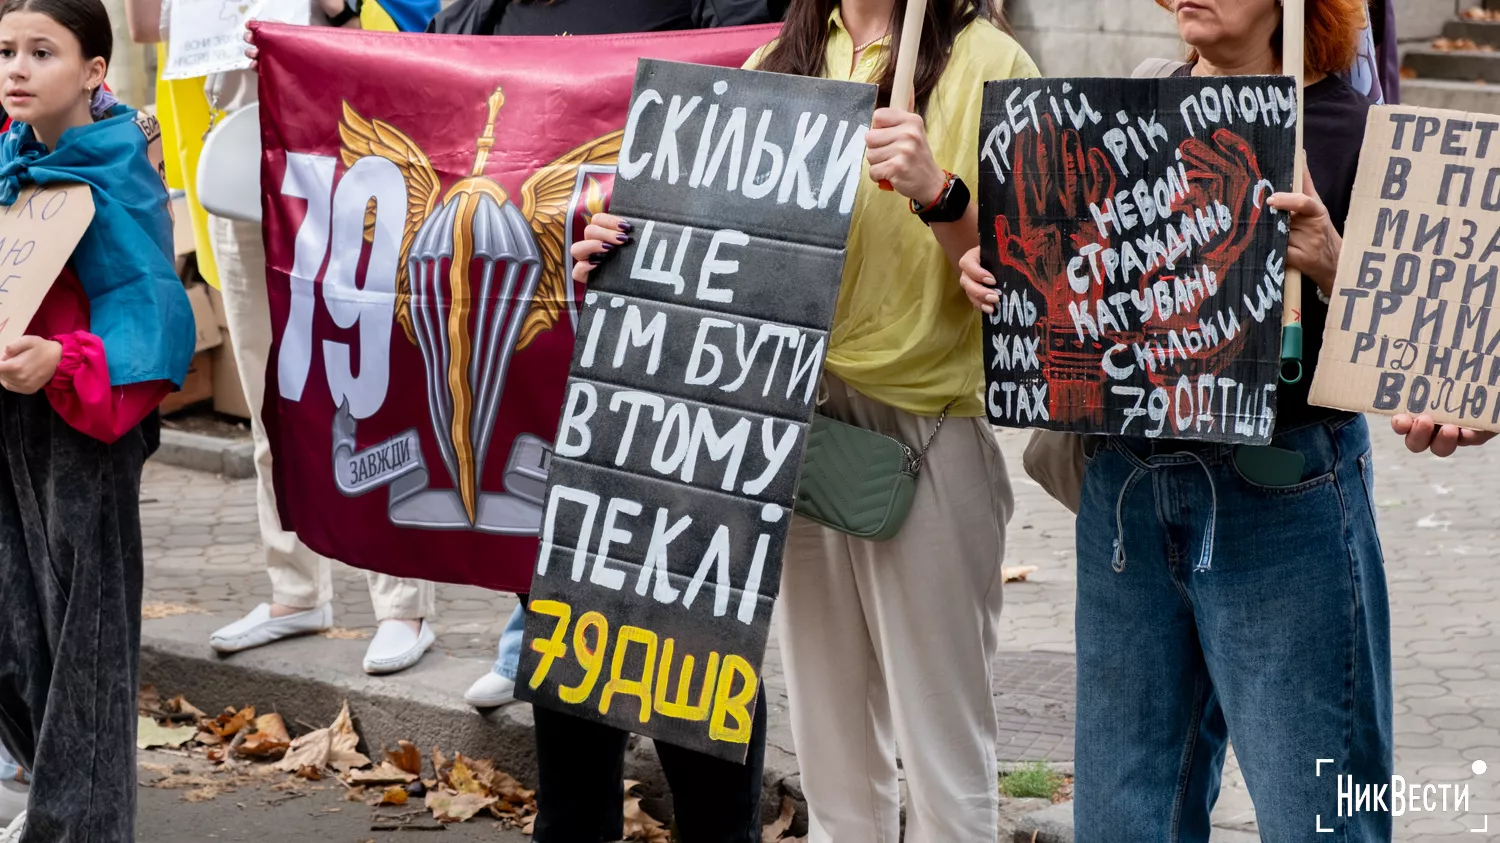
(29, 363)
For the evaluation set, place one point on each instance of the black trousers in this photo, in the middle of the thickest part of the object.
(582, 772)
(70, 620)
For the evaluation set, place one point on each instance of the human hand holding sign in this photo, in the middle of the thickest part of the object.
(29, 363)
(1315, 244)
(1423, 434)
(897, 149)
(604, 235)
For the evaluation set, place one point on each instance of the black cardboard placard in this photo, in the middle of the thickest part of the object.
(1138, 267)
(694, 377)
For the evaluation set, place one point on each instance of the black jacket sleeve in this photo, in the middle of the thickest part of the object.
(714, 13)
(469, 17)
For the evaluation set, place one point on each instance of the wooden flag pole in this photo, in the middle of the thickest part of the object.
(1293, 22)
(902, 87)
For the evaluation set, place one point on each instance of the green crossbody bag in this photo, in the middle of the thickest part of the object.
(858, 481)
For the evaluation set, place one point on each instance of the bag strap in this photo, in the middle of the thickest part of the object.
(921, 456)
(1157, 68)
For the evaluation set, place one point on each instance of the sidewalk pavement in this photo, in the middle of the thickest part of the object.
(1439, 522)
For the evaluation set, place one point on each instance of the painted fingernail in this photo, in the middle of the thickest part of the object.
(622, 239)
(608, 247)
(625, 226)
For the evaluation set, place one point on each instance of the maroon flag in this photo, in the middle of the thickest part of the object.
(421, 193)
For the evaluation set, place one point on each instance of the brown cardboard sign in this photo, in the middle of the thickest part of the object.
(37, 236)
(1410, 328)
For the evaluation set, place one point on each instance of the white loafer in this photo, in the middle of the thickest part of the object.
(258, 628)
(12, 833)
(395, 647)
(491, 691)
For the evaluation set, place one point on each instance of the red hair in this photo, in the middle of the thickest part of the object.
(1331, 34)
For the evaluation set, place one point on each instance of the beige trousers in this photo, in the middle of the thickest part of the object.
(891, 644)
(299, 577)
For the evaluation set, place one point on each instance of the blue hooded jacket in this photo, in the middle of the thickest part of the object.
(137, 305)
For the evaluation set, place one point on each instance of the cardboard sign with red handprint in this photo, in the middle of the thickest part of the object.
(1138, 265)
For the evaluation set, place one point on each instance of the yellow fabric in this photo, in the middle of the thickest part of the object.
(371, 16)
(904, 334)
(182, 110)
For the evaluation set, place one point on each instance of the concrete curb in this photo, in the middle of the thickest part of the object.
(308, 679)
(232, 458)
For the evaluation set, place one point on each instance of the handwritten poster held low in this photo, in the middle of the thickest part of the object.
(1138, 266)
(37, 236)
(693, 382)
(1410, 327)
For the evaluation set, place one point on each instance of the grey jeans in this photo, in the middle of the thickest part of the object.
(70, 620)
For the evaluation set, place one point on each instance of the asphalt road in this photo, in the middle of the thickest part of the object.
(259, 809)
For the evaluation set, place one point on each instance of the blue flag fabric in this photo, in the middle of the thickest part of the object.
(410, 15)
(137, 306)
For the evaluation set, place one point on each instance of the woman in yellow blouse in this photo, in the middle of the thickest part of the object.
(890, 644)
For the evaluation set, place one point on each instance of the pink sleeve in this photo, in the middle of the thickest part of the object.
(80, 391)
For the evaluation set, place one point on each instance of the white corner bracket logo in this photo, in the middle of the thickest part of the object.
(1398, 797)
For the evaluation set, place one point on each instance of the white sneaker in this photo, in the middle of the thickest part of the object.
(13, 796)
(258, 628)
(491, 691)
(12, 833)
(395, 647)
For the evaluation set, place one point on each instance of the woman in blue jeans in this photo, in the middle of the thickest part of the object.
(1219, 600)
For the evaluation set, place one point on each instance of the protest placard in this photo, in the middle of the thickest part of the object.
(1138, 267)
(37, 236)
(693, 381)
(208, 36)
(1409, 328)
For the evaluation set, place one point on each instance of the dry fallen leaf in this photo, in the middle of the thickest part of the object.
(392, 796)
(1448, 45)
(641, 827)
(157, 611)
(406, 757)
(776, 831)
(148, 734)
(229, 724)
(331, 747)
(386, 774)
(461, 778)
(450, 807)
(1017, 573)
(339, 634)
(180, 705)
(268, 741)
(148, 701)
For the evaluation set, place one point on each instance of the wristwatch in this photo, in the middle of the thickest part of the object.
(950, 206)
(350, 12)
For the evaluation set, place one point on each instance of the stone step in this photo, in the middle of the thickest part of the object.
(1461, 65)
(1478, 97)
(1480, 32)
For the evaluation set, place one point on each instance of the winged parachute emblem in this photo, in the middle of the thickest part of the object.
(479, 279)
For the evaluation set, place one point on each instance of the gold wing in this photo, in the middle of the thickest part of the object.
(544, 203)
(362, 138)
